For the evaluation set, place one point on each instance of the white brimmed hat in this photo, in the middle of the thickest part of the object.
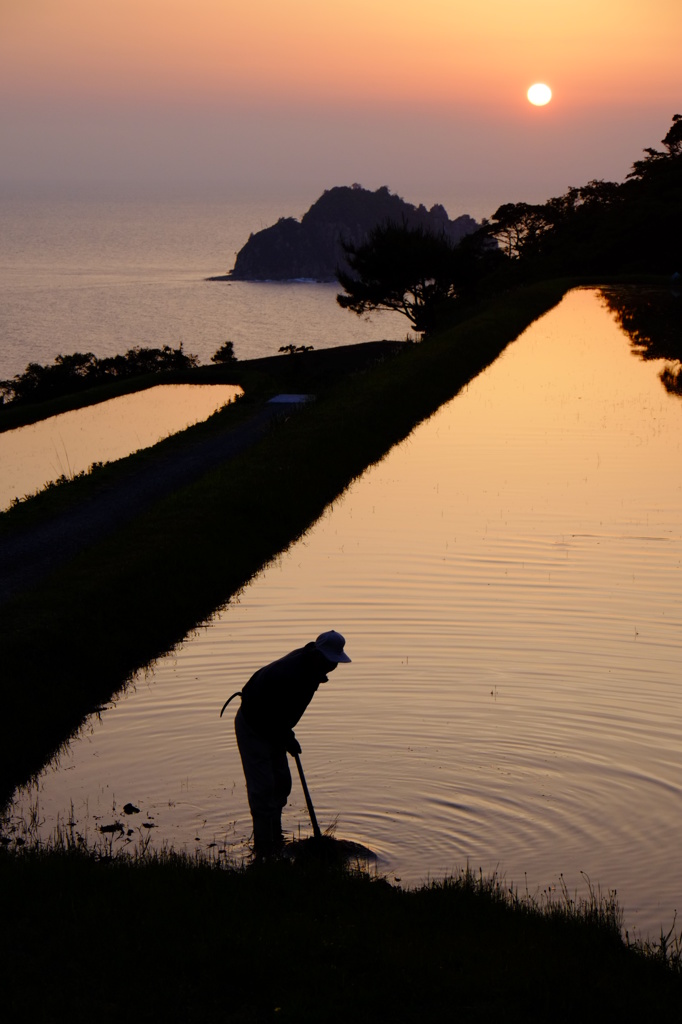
(331, 645)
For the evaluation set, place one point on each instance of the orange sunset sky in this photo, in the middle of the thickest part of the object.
(306, 95)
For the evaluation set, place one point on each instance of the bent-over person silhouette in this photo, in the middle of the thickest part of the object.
(273, 701)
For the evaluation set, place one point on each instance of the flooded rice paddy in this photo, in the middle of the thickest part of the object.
(71, 442)
(509, 583)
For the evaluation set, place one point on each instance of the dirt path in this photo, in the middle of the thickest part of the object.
(27, 557)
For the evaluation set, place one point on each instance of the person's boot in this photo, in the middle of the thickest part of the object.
(267, 835)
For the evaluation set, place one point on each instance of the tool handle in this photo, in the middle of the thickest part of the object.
(309, 803)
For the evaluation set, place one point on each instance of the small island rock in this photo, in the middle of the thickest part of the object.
(310, 249)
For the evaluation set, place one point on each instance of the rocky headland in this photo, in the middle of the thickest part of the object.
(311, 248)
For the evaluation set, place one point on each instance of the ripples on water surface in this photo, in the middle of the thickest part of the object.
(508, 581)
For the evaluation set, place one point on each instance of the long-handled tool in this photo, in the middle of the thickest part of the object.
(311, 810)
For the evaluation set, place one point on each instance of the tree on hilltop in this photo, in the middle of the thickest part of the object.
(518, 228)
(225, 354)
(405, 269)
(602, 226)
(655, 158)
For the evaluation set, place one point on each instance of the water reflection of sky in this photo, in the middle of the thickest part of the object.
(68, 444)
(508, 580)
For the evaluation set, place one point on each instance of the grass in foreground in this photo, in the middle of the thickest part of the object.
(89, 937)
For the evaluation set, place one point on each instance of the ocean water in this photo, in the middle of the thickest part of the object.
(102, 275)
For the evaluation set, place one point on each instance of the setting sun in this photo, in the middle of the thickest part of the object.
(539, 94)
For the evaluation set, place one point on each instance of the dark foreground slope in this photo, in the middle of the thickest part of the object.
(89, 939)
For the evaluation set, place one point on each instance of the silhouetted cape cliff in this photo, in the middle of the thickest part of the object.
(310, 249)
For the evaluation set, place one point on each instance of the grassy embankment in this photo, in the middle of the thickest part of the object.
(87, 938)
(71, 642)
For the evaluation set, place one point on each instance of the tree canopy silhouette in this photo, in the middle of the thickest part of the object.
(409, 270)
(82, 370)
(603, 226)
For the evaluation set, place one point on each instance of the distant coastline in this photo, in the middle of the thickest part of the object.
(269, 280)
